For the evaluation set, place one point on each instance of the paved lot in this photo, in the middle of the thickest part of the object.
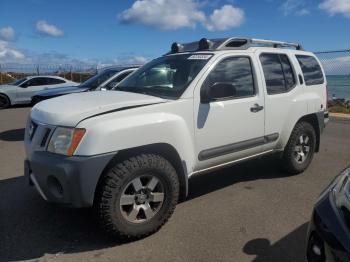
(249, 212)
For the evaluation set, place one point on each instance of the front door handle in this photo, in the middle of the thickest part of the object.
(256, 108)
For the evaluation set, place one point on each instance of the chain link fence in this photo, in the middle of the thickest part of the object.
(76, 73)
(337, 67)
(336, 64)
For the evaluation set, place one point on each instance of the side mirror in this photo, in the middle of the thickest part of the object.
(217, 91)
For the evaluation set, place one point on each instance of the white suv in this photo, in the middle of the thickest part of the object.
(130, 152)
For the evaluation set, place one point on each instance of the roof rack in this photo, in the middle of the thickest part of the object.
(233, 43)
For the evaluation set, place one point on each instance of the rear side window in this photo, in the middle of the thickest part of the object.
(311, 70)
(278, 72)
(235, 70)
(54, 81)
(37, 81)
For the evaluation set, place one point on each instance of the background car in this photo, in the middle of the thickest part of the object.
(21, 91)
(329, 229)
(105, 80)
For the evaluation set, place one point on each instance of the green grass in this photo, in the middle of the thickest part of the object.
(339, 109)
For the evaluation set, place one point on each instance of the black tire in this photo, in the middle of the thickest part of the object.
(108, 196)
(290, 156)
(4, 101)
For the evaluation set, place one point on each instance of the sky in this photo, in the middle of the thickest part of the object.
(125, 31)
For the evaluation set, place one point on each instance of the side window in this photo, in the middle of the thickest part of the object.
(235, 71)
(288, 72)
(311, 70)
(278, 72)
(121, 77)
(37, 81)
(115, 81)
(54, 81)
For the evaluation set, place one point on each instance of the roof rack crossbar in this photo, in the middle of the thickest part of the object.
(233, 43)
(276, 43)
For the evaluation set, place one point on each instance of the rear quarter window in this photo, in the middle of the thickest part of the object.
(311, 70)
(54, 81)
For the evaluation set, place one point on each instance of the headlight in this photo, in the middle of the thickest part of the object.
(341, 190)
(65, 140)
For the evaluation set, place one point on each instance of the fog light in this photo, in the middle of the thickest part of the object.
(55, 187)
(317, 250)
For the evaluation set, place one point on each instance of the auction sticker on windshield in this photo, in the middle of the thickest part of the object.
(199, 57)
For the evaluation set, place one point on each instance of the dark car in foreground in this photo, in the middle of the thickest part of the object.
(329, 229)
(105, 80)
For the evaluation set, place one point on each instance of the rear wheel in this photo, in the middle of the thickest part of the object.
(300, 148)
(4, 101)
(137, 196)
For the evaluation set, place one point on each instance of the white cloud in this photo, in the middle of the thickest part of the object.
(296, 7)
(225, 18)
(50, 30)
(7, 33)
(334, 7)
(25, 61)
(302, 12)
(163, 14)
(172, 15)
(9, 53)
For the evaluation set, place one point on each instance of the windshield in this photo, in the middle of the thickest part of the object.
(167, 76)
(18, 82)
(97, 80)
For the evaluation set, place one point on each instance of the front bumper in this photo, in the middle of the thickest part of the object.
(66, 180)
(329, 233)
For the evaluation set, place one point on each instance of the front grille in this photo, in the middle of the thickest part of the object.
(45, 137)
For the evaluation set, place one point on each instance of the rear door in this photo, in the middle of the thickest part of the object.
(285, 102)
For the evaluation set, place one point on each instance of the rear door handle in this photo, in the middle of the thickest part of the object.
(256, 108)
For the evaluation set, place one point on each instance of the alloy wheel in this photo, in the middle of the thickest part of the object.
(142, 198)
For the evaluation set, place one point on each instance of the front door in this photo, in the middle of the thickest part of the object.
(232, 127)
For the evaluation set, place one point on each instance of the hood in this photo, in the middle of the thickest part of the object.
(69, 110)
(60, 91)
(7, 87)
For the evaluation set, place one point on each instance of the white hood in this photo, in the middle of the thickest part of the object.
(69, 110)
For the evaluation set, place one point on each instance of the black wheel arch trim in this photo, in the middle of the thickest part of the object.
(163, 149)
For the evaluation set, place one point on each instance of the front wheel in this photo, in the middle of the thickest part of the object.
(4, 101)
(137, 196)
(300, 149)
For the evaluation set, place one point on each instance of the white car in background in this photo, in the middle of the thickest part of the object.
(21, 91)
